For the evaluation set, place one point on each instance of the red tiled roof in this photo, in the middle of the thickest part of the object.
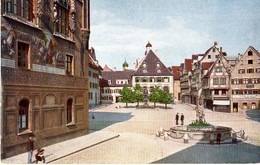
(207, 65)
(92, 63)
(106, 68)
(176, 72)
(188, 64)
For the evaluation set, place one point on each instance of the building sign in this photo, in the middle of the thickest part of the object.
(250, 85)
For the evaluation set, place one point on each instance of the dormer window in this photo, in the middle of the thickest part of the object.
(144, 70)
(109, 82)
(158, 65)
(144, 65)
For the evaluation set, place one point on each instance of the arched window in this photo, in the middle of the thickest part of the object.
(23, 115)
(69, 111)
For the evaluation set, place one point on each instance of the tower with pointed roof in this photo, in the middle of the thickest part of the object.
(125, 65)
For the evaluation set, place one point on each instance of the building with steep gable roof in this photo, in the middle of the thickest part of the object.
(152, 72)
(176, 83)
(216, 84)
(245, 81)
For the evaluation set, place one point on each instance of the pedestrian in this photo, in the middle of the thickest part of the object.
(177, 119)
(40, 155)
(182, 118)
(31, 140)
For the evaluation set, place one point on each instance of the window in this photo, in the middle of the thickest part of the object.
(258, 70)
(236, 81)
(109, 82)
(250, 53)
(62, 25)
(209, 56)
(144, 70)
(89, 74)
(144, 79)
(224, 92)
(245, 81)
(250, 70)
(245, 91)
(144, 65)
(137, 79)
(23, 56)
(216, 92)
(159, 79)
(23, 115)
(215, 81)
(254, 81)
(254, 91)
(158, 65)
(151, 79)
(69, 64)
(218, 69)
(250, 61)
(214, 49)
(21, 8)
(222, 81)
(69, 111)
(241, 71)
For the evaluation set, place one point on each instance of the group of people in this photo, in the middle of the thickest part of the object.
(177, 119)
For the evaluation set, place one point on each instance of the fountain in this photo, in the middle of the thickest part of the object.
(200, 130)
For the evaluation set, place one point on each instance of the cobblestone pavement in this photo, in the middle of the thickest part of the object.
(137, 142)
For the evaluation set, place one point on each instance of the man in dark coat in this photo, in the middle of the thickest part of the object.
(182, 118)
(177, 119)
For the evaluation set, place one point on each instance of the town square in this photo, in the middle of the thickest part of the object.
(130, 81)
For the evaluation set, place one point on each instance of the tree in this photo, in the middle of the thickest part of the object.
(138, 94)
(127, 95)
(165, 97)
(154, 95)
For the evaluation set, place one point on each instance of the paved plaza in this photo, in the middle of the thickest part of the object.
(127, 135)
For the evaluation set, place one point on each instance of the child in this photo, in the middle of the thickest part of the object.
(40, 155)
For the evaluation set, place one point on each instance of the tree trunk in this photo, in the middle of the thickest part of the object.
(154, 104)
(138, 104)
(165, 106)
(126, 105)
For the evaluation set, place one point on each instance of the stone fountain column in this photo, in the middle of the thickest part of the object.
(199, 107)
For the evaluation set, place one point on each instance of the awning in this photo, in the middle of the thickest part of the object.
(221, 102)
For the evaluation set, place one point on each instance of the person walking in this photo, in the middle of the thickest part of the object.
(182, 119)
(31, 140)
(177, 119)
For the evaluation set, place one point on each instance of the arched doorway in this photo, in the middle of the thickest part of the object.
(23, 114)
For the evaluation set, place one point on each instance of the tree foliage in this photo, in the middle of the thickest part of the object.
(165, 97)
(127, 95)
(154, 95)
(138, 94)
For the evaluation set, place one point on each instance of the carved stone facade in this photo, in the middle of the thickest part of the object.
(44, 88)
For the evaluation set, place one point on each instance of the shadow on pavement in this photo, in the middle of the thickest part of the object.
(253, 115)
(233, 153)
(101, 120)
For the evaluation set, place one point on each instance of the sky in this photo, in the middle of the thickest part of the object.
(120, 29)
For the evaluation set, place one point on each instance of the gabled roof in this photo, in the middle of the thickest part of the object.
(213, 65)
(176, 72)
(92, 63)
(195, 56)
(106, 68)
(188, 65)
(206, 65)
(149, 64)
(117, 75)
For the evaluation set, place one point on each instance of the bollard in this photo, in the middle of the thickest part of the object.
(211, 138)
(234, 138)
(186, 138)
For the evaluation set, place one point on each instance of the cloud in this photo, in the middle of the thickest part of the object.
(115, 39)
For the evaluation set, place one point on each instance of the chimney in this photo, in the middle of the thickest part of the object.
(220, 52)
